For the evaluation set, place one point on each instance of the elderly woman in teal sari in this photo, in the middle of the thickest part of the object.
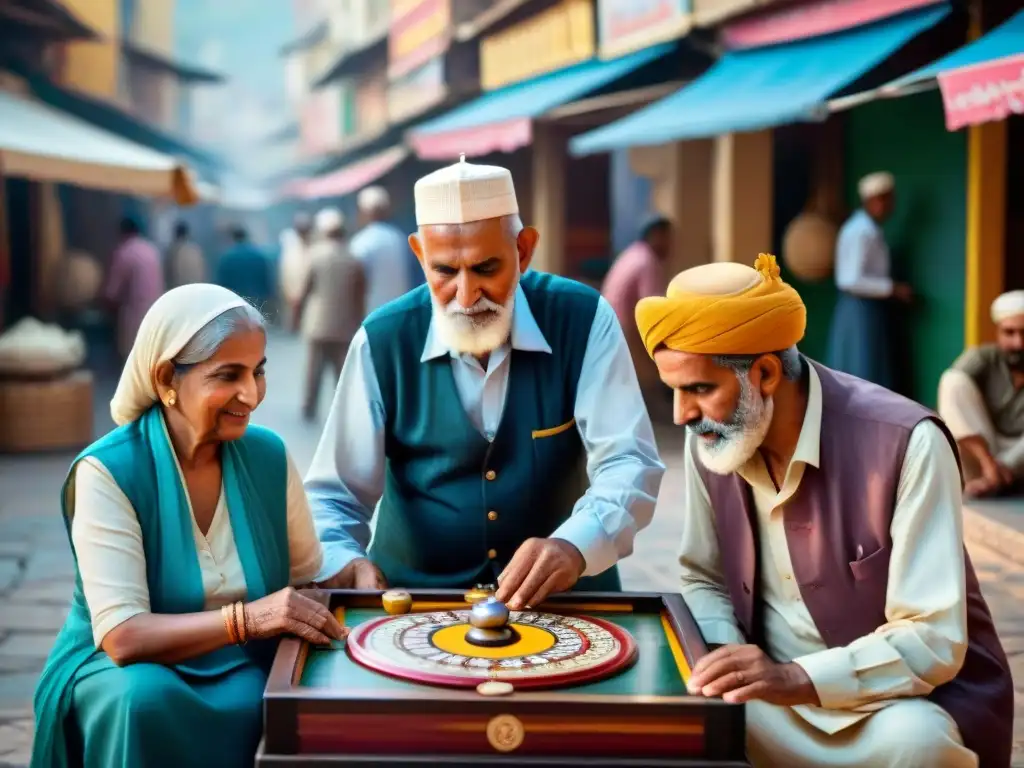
(189, 527)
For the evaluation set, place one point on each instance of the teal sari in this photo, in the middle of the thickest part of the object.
(206, 711)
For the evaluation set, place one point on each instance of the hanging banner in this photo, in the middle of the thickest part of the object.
(993, 90)
(420, 30)
(624, 26)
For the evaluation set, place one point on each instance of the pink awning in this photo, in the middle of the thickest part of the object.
(349, 179)
(506, 136)
(812, 20)
(992, 90)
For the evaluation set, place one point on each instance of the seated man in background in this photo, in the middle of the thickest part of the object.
(981, 398)
(822, 548)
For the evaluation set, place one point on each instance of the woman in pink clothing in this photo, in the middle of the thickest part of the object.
(134, 281)
(637, 273)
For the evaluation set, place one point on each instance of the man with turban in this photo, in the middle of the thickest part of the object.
(822, 555)
(494, 413)
(981, 398)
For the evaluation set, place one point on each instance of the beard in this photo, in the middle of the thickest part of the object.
(478, 330)
(724, 447)
(1014, 360)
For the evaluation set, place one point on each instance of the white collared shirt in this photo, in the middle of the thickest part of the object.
(346, 478)
(384, 251)
(862, 258)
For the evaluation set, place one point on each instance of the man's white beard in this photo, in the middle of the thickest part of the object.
(468, 331)
(740, 437)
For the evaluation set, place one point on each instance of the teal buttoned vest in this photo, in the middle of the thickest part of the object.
(457, 506)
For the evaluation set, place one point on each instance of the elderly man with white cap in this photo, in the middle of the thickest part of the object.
(494, 413)
(331, 305)
(858, 342)
(981, 398)
(382, 248)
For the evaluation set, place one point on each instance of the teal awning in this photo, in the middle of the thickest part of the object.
(750, 90)
(499, 120)
(1005, 40)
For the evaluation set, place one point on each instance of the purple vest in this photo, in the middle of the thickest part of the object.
(848, 503)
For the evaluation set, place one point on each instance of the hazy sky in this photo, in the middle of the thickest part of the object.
(239, 38)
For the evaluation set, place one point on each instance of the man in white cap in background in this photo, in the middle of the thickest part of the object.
(494, 412)
(981, 399)
(859, 338)
(330, 307)
(382, 248)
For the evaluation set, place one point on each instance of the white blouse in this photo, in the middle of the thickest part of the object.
(111, 560)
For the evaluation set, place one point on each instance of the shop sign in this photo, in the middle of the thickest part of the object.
(708, 13)
(557, 38)
(420, 30)
(319, 121)
(416, 92)
(993, 90)
(372, 103)
(625, 26)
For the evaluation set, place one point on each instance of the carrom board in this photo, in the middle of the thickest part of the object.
(323, 708)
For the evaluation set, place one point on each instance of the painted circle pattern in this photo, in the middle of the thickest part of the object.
(583, 649)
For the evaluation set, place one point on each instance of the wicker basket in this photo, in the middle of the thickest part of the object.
(46, 415)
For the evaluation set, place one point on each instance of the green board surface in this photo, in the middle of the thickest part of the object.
(654, 673)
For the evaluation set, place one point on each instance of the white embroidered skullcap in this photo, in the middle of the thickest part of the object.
(328, 220)
(464, 192)
(1010, 304)
(373, 199)
(875, 184)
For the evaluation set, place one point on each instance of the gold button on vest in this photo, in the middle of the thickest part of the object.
(491, 474)
(492, 515)
(492, 553)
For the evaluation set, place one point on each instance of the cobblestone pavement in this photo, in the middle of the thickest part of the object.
(36, 571)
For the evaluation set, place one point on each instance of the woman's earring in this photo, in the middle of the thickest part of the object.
(171, 398)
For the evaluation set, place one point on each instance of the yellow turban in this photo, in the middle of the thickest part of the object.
(724, 308)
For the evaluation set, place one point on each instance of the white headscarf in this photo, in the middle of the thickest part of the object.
(168, 326)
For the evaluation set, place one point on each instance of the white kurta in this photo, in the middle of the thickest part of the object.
(865, 688)
(963, 408)
(112, 562)
(862, 265)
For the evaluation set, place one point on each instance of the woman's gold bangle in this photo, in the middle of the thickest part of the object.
(234, 622)
(243, 632)
(225, 613)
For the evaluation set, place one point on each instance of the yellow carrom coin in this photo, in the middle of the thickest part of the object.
(549, 650)
(396, 601)
(478, 593)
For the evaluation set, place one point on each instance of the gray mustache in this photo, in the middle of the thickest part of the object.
(704, 426)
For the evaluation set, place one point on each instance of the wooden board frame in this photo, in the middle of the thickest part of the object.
(402, 713)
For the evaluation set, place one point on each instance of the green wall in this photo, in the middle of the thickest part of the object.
(926, 235)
